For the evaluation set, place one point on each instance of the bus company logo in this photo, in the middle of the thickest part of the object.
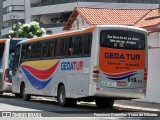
(74, 65)
(122, 56)
(121, 76)
(40, 77)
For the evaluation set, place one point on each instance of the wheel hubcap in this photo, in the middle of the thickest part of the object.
(62, 95)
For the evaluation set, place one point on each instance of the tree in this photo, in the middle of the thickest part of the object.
(27, 30)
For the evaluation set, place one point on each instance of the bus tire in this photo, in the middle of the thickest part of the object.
(62, 100)
(26, 96)
(17, 95)
(104, 103)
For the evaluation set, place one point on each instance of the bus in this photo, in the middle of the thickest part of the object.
(101, 63)
(6, 57)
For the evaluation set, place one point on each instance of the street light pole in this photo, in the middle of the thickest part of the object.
(16, 25)
(15, 21)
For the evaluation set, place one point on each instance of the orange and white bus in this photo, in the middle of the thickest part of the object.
(100, 63)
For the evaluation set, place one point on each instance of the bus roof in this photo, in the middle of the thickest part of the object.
(74, 32)
(90, 29)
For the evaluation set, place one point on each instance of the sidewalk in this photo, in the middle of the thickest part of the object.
(138, 105)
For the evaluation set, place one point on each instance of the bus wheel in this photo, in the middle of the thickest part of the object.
(104, 102)
(18, 95)
(62, 100)
(26, 96)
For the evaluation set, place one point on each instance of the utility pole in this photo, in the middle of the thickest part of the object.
(15, 21)
(16, 25)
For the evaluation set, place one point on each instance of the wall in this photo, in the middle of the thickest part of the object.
(154, 40)
(153, 89)
(79, 23)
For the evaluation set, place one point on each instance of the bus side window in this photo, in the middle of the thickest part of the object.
(45, 49)
(59, 45)
(65, 47)
(38, 55)
(16, 59)
(70, 47)
(80, 45)
(25, 52)
(87, 44)
(77, 45)
(36, 50)
(52, 48)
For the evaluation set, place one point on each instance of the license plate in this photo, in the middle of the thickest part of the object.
(108, 84)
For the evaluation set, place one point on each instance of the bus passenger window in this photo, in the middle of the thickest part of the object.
(76, 45)
(52, 50)
(45, 49)
(25, 53)
(59, 46)
(87, 44)
(36, 50)
(70, 47)
(65, 46)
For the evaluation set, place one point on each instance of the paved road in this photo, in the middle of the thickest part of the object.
(83, 111)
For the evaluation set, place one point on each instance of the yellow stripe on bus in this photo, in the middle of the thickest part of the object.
(41, 64)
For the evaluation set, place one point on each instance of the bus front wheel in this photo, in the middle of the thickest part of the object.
(104, 102)
(26, 96)
(62, 100)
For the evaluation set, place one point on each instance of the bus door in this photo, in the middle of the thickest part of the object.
(11, 55)
(16, 62)
(122, 59)
(2, 46)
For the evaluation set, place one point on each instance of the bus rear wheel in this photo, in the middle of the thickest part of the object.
(104, 102)
(26, 96)
(62, 100)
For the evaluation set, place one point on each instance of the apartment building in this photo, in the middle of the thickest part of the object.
(53, 14)
(13, 11)
(1, 14)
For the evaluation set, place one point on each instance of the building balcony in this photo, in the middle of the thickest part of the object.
(52, 25)
(54, 2)
(50, 2)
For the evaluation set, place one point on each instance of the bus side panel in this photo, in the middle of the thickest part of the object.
(42, 77)
(74, 74)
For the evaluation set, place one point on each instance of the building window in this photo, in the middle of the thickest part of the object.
(13, 8)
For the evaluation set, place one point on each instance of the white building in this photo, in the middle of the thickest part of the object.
(13, 10)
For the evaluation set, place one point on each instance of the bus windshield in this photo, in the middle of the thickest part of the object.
(121, 39)
(13, 44)
(1, 53)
